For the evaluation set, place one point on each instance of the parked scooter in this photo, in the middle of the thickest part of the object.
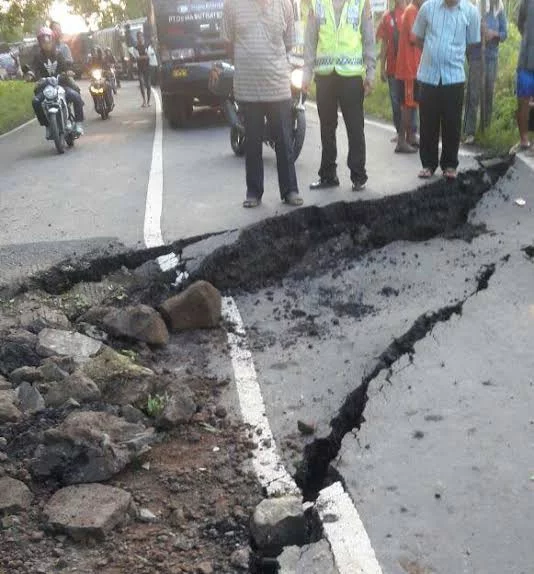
(102, 93)
(221, 84)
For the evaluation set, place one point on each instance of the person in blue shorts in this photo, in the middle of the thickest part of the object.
(525, 70)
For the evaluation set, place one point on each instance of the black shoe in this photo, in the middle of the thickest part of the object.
(359, 185)
(325, 183)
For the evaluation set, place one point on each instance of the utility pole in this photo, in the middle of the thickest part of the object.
(483, 110)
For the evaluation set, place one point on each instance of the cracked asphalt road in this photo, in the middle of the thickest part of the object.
(441, 470)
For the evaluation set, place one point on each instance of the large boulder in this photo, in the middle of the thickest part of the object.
(66, 343)
(77, 386)
(18, 349)
(15, 496)
(179, 407)
(198, 307)
(88, 510)
(9, 411)
(90, 447)
(139, 323)
(35, 320)
(278, 522)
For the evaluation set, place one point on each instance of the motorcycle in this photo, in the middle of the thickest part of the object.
(102, 93)
(59, 114)
(221, 84)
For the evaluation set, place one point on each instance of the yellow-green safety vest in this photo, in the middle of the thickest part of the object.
(339, 48)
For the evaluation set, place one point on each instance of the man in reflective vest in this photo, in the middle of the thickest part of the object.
(340, 50)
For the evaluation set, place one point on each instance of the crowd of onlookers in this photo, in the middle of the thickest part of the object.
(400, 61)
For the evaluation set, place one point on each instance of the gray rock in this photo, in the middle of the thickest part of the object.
(3, 442)
(36, 320)
(5, 385)
(179, 409)
(109, 366)
(76, 386)
(29, 397)
(278, 522)
(88, 510)
(146, 515)
(198, 307)
(15, 496)
(18, 350)
(25, 374)
(133, 415)
(240, 559)
(140, 323)
(310, 559)
(9, 412)
(66, 343)
(90, 447)
(129, 392)
(51, 371)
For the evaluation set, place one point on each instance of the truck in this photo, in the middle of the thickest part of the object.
(187, 38)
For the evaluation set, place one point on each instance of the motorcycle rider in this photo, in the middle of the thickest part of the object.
(99, 63)
(49, 62)
(110, 63)
(61, 46)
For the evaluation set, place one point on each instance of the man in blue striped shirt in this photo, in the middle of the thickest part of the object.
(444, 29)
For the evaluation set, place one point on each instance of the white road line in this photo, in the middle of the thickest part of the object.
(268, 467)
(18, 128)
(154, 195)
(344, 530)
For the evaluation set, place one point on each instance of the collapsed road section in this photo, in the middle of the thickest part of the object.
(335, 301)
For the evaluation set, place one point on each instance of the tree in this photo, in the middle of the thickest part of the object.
(19, 17)
(108, 12)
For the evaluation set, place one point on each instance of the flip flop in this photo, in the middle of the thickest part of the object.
(425, 173)
(449, 173)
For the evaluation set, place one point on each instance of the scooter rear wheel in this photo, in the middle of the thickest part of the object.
(237, 141)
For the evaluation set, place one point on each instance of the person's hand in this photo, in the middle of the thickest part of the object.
(70, 74)
(367, 87)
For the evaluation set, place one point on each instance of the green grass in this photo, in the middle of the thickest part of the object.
(15, 104)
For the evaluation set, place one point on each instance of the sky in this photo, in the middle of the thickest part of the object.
(70, 23)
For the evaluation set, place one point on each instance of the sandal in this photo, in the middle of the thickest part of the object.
(293, 199)
(449, 173)
(426, 173)
(251, 202)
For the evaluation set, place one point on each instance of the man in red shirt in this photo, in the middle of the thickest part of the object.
(388, 32)
(408, 58)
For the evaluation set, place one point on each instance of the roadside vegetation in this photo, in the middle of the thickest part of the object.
(15, 104)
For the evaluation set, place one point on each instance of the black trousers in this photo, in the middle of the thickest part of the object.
(347, 93)
(278, 115)
(440, 111)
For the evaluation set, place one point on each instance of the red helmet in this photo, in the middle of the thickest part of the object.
(44, 32)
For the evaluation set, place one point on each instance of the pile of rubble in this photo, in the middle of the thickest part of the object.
(99, 442)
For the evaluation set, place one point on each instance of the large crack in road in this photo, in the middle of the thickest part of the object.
(303, 244)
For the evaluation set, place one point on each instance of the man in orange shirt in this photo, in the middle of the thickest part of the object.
(388, 32)
(408, 58)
